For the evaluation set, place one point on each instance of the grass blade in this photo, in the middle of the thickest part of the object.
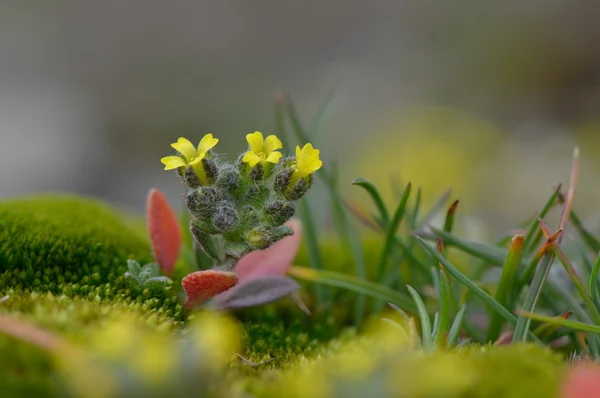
(486, 298)
(506, 291)
(456, 325)
(533, 229)
(594, 282)
(391, 231)
(490, 254)
(423, 317)
(376, 197)
(567, 323)
(354, 284)
(531, 297)
(449, 222)
(583, 292)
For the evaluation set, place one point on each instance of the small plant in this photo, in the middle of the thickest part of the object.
(238, 211)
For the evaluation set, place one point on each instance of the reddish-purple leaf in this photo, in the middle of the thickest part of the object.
(256, 291)
(275, 260)
(202, 285)
(164, 230)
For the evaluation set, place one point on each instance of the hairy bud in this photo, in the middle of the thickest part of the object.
(210, 168)
(258, 238)
(190, 178)
(279, 211)
(282, 180)
(229, 179)
(225, 217)
(257, 173)
(201, 202)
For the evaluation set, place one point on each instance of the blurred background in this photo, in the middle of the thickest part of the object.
(488, 98)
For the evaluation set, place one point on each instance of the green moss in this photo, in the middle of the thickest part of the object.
(51, 240)
(362, 369)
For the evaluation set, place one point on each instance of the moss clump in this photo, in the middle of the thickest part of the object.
(48, 241)
(365, 368)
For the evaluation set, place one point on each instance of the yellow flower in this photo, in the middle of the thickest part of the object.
(191, 156)
(263, 151)
(307, 161)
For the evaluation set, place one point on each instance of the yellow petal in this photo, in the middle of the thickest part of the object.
(308, 159)
(272, 143)
(255, 140)
(273, 157)
(207, 143)
(185, 147)
(251, 158)
(313, 165)
(172, 162)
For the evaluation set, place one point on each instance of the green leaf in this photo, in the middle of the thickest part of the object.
(134, 268)
(354, 284)
(594, 282)
(533, 293)
(585, 295)
(445, 301)
(591, 241)
(423, 317)
(486, 298)
(533, 228)
(391, 232)
(376, 197)
(574, 325)
(488, 253)
(437, 207)
(449, 222)
(311, 237)
(150, 270)
(414, 213)
(507, 286)
(456, 325)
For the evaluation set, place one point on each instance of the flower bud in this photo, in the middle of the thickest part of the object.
(189, 177)
(279, 211)
(201, 202)
(299, 189)
(211, 171)
(256, 173)
(258, 238)
(250, 217)
(229, 179)
(282, 180)
(225, 217)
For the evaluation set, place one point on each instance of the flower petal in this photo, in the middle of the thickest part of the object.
(251, 158)
(274, 157)
(255, 140)
(202, 285)
(272, 143)
(275, 260)
(185, 147)
(207, 143)
(173, 162)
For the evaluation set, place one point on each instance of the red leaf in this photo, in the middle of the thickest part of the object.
(275, 260)
(163, 227)
(202, 285)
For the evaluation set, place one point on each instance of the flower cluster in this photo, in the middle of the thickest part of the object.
(239, 207)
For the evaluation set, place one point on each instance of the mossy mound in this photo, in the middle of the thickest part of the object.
(28, 370)
(48, 241)
(365, 369)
